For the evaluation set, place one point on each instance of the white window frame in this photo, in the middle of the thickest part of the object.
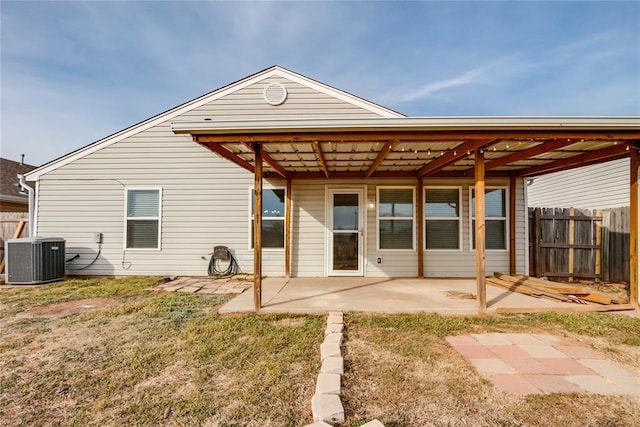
(404, 218)
(493, 218)
(278, 218)
(449, 218)
(127, 218)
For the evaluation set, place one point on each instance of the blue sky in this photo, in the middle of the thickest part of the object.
(74, 72)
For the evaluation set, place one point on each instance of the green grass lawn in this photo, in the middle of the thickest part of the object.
(150, 359)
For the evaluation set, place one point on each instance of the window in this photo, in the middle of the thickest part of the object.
(495, 218)
(143, 218)
(395, 218)
(272, 218)
(442, 218)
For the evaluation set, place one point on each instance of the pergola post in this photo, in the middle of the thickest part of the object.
(257, 228)
(481, 283)
(512, 225)
(633, 226)
(287, 229)
(420, 215)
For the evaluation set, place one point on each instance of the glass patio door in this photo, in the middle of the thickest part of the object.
(346, 226)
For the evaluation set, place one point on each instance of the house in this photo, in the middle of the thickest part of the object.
(341, 186)
(600, 186)
(11, 199)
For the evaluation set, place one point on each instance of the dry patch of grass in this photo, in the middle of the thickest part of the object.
(151, 359)
(400, 370)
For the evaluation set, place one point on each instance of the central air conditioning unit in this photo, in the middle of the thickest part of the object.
(34, 260)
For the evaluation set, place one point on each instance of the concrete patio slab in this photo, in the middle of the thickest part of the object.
(383, 295)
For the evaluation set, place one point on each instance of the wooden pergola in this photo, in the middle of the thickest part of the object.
(417, 148)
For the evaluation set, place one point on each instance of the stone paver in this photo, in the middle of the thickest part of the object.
(328, 408)
(334, 328)
(594, 384)
(205, 285)
(539, 363)
(328, 384)
(333, 365)
(607, 369)
(492, 339)
(329, 349)
(514, 384)
(542, 351)
(508, 352)
(373, 423)
(552, 384)
(334, 338)
(492, 366)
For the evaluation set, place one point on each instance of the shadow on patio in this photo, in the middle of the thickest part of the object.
(384, 295)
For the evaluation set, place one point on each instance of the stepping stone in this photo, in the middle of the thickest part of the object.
(328, 408)
(373, 423)
(333, 365)
(329, 349)
(334, 328)
(318, 424)
(328, 384)
(334, 338)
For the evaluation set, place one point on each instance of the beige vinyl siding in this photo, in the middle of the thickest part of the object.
(309, 252)
(302, 103)
(205, 199)
(461, 263)
(605, 185)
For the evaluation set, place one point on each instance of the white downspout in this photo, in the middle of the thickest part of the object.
(32, 199)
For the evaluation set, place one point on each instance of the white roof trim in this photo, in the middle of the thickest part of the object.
(409, 124)
(35, 174)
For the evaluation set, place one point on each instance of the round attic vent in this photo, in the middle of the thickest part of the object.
(275, 94)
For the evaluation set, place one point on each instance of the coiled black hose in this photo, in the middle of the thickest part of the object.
(215, 270)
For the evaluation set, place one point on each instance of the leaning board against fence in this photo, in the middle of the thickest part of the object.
(579, 243)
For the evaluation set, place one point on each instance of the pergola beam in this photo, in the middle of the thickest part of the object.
(461, 151)
(221, 150)
(366, 137)
(384, 152)
(269, 160)
(320, 155)
(530, 152)
(590, 157)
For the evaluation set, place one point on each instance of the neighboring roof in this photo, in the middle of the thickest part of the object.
(9, 189)
(419, 146)
(211, 96)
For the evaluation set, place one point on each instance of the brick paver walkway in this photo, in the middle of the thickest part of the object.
(205, 285)
(537, 363)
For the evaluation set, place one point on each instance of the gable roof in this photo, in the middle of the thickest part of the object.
(9, 189)
(206, 98)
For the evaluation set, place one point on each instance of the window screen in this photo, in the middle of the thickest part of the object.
(395, 218)
(143, 219)
(495, 218)
(442, 218)
(273, 205)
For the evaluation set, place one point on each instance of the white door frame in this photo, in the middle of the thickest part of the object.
(361, 192)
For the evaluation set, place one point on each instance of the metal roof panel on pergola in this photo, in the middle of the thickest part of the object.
(418, 146)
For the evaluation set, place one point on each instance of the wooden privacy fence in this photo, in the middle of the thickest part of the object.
(579, 243)
(12, 225)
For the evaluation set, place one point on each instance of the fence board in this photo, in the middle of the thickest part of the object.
(580, 243)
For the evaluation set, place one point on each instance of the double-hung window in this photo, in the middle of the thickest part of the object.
(143, 218)
(395, 218)
(273, 205)
(442, 209)
(495, 218)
